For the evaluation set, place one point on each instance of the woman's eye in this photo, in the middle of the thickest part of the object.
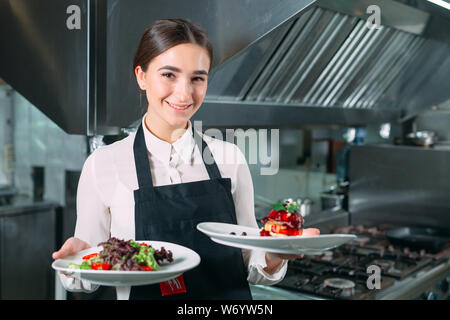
(168, 75)
(171, 76)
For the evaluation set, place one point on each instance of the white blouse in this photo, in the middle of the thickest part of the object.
(105, 199)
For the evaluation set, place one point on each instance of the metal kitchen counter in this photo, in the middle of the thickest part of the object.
(410, 288)
(28, 236)
(260, 292)
(426, 284)
(23, 206)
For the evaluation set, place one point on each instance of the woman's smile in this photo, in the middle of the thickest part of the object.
(178, 106)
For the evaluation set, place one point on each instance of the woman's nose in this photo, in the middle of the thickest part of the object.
(184, 91)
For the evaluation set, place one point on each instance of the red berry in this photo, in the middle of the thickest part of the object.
(272, 214)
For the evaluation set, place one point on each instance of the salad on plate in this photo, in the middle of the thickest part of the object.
(121, 255)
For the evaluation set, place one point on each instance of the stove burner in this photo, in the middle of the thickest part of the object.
(384, 264)
(327, 256)
(342, 287)
(339, 283)
(341, 273)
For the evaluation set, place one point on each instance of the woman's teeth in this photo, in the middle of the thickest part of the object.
(178, 107)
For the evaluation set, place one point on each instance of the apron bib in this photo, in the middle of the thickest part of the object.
(171, 213)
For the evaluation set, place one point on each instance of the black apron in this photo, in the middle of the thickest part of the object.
(171, 213)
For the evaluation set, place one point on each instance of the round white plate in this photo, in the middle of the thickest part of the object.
(184, 259)
(309, 245)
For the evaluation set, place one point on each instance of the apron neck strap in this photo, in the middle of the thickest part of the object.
(211, 166)
(141, 159)
(142, 162)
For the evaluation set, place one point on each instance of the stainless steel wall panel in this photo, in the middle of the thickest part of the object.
(436, 120)
(391, 184)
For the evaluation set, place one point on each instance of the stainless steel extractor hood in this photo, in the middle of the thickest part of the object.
(327, 66)
(288, 63)
(83, 79)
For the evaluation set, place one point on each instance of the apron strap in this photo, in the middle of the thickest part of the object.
(141, 160)
(142, 163)
(212, 168)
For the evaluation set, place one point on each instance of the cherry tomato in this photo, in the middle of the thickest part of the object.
(100, 266)
(89, 256)
(146, 268)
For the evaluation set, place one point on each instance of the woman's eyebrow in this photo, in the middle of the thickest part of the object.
(175, 69)
(201, 72)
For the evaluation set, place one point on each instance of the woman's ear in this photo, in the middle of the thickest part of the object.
(140, 77)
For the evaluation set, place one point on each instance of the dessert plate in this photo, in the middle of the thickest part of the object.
(308, 245)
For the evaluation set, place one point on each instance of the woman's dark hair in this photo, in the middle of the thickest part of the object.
(164, 34)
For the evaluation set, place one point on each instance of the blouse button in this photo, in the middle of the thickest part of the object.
(173, 160)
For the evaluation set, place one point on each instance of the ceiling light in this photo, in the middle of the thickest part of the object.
(385, 130)
(441, 3)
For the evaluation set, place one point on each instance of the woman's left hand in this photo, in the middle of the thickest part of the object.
(273, 260)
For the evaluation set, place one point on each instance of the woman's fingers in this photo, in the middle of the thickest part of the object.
(311, 232)
(286, 256)
(70, 247)
(64, 251)
(290, 256)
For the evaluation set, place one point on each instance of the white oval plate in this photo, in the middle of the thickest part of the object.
(184, 259)
(309, 245)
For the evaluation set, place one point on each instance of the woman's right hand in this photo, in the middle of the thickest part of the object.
(70, 282)
(70, 247)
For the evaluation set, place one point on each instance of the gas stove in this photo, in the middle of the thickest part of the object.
(346, 272)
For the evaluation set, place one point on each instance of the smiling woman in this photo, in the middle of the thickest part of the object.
(156, 185)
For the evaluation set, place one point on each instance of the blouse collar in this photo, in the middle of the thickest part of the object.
(163, 150)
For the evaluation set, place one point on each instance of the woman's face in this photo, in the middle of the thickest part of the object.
(175, 83)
